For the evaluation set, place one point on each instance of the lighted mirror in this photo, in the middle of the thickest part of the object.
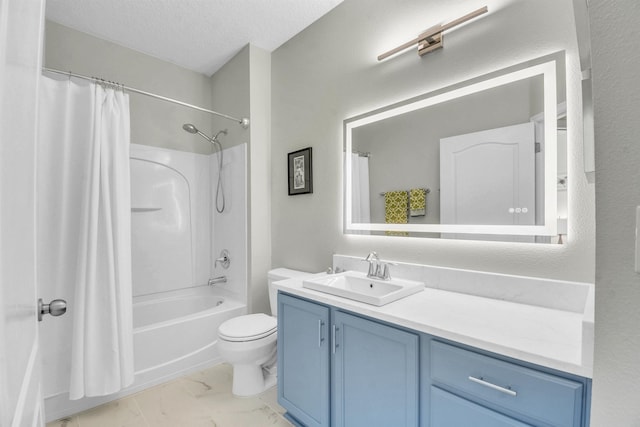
(477, 160)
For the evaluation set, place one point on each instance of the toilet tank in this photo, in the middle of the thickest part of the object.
(280, 274)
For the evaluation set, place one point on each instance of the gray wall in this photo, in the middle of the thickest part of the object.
(153, 122)
(329, 72)
(230, 95)
(615, 47)
(260, 182)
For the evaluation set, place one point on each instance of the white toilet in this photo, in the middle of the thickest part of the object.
(248, 343)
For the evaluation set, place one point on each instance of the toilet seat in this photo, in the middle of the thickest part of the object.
(250, 327)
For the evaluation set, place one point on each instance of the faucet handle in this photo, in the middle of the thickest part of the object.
(373, 256)
(374, 264)
(224, 259)
(386, 271)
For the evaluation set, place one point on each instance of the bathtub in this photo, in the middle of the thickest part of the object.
(175, 333)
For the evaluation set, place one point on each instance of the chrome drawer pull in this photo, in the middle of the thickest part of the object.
(481, 381)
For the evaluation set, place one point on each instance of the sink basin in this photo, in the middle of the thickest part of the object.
(357, 286)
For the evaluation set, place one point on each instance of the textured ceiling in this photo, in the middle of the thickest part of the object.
(200, 35)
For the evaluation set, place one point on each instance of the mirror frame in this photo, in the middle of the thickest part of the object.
(547, 67)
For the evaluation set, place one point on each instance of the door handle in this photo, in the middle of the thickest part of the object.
(57, 307)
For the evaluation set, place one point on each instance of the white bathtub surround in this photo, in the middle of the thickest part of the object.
(229, 227)
(171, 225)
(546, 322)
(176, 231)
(84, 193)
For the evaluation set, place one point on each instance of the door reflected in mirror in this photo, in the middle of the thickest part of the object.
(478, 160)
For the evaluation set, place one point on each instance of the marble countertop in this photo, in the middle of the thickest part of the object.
(553, 337)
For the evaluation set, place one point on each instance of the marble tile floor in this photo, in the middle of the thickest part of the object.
(196, 400)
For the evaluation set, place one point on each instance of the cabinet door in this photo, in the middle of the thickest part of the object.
(303, 360)
(448, 410)
(375, 374)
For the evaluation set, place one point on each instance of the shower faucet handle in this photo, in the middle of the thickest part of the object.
(224, 259)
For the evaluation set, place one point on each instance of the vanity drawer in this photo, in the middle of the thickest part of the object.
(450, 410)
(553, 400)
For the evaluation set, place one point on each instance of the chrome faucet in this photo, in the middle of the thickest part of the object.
(216, 280)
(377, 268)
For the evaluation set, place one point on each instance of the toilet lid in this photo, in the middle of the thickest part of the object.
(248, 328)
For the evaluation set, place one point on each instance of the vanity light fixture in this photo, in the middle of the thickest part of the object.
(431, 39)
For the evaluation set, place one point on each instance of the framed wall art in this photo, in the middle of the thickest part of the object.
(300, 172)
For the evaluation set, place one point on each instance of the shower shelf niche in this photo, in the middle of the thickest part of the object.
(151, 209)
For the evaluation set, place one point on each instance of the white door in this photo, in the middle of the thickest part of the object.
(21, 28)
(488, 178)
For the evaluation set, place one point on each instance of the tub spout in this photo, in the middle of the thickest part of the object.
(216, 280)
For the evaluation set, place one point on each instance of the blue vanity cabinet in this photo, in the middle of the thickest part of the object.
(303, 360)
(340, 369)
(370, 369)
(375, 374)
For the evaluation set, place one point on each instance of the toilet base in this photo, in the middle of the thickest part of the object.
(249, 380)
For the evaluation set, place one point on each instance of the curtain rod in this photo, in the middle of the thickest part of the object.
(244, 122)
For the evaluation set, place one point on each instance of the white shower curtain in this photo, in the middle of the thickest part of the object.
(84, 226)
(360, 200)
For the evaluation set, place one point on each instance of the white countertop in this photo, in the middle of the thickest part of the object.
(556, 338)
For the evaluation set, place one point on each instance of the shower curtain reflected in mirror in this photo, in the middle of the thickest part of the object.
(84, 229)
(360, 201)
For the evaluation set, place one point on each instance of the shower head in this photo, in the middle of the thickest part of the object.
(219, 188)
(190, 128)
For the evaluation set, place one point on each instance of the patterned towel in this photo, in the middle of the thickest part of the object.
(395, 210)
(417, 202)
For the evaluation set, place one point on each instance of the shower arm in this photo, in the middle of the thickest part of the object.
(213, 140)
